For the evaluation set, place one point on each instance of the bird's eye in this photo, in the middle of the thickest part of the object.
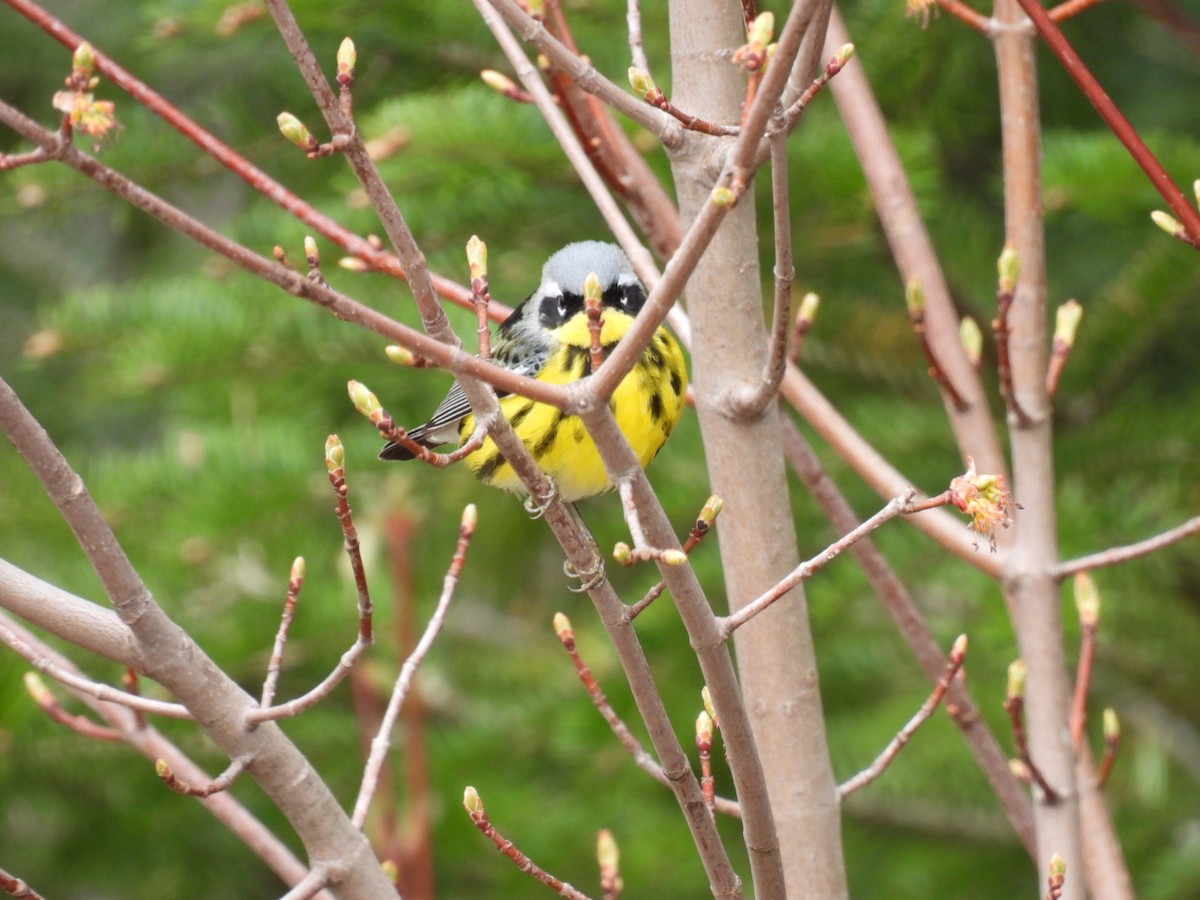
(562, 305)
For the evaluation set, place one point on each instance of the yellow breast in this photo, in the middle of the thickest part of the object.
(647, 404)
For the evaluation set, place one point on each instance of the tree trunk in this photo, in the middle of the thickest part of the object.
(745, 463)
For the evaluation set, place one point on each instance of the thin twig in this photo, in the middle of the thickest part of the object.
(958, 654)
(641, 757)
(915, 295)
(787, 122)
(1014, 705)
(312, 883)
(1087, 603)
(86, 685)
(1116, 555)
(150, 743)
(15, 887)
(637, 50)
(479, 818)
(49, 704)
(1112, 743)
(361, 248)
(905, 504)
(964, 13)
(339, 304)
(1112, 116)
(334, 461)
(701, 527)
(579, 157)
(221, 783)
(583, 73)
(275, 663)
(641, 550)
(383, 738)
(1005, 293)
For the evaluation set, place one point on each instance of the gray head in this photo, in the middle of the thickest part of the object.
(560, 295)
(573, 263)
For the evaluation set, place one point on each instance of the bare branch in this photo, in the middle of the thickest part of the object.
(1125, 132)
(916, 633)
(1118, 555)
(86, 685)
(905, 504)
(479, 818)
(585, 75)
(958, 655)
(383, 741)
(15, 887)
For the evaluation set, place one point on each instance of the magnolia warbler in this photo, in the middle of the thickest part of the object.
(547, 338)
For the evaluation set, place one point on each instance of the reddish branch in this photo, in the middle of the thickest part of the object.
(48, 704)
(353, 244)
(1014, 705)
(1008, 265)
(1112, 116)
(15, 887)
(479, 818)
(1087, 602)
(915, 296)
(643, 760)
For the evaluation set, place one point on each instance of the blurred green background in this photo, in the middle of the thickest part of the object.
(195, 401)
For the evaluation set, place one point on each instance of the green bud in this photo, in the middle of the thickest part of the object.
(364, 401)
(1017, 673)
(723, 196)
(591, 287)
(762, 29)
(347, 58)
(1008, 266)
(711, 509)
(706, 699)
(335, 454)
(293, 129)
(37, 689)
(809, 305)
(401, 356)
(704, 727)
(623, 554)
(497, 81)
(674, 557)
(607, 854)
(1087, 599)
(914, 297)
(844, 54)
(641, 82)
(299, 567)
(472, 802)
(958, 652)
(1112, 725)
(83, 60)
(972, 339)
(562, 627)
(310, 250)
(1066, 322)
(470, 518)
(1168, 224)
(1057, 867)
(477, 257)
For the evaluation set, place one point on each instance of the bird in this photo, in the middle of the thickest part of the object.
(547, 338)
